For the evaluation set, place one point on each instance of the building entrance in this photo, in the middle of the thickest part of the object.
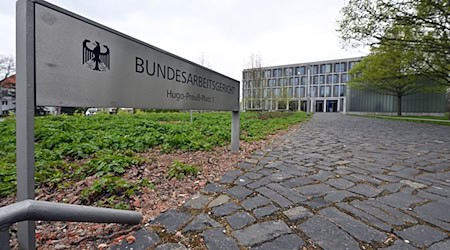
(319, 106)
(332, 106)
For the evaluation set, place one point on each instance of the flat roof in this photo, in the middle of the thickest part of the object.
(311, 63)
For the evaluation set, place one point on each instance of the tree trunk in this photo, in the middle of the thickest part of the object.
(399, 105)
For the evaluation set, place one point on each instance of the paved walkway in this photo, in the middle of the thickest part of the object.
(338, 182)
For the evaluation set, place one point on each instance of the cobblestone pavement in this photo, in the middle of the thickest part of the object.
(337, 182)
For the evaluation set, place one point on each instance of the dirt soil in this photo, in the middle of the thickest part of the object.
(152, 202)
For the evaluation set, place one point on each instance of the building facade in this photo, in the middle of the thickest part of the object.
(8, 95)
(289, 87)
(322, 86)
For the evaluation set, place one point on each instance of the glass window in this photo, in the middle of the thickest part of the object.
(303, 80)
(343, 66)
(302, 91)
(267, 73)
(337, 67)
(327, 91)
(343, 78)
(276, 92)
(288, 71)
(321, 79)
(284, 82)
(315, 69)
(280, 82)
(302, 70)
(350, 65)
(291, 81)
(297, 70)
(280, 72)
(322, 68)
(322, 91)
(336, 90)
(296, 81)
(335, 78)
(275, 73)
(329, 79)
(315, 79)
(328, 68)
(342, 90)
(271, 82)
(314, 91)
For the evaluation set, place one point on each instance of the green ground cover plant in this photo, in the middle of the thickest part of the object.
(71, 148)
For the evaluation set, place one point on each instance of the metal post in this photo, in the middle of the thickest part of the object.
(4, 237)
(191, 116)
(308, 91)
(235, 131)
(25, 114)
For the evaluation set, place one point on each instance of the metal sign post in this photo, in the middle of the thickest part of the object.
(25, 115)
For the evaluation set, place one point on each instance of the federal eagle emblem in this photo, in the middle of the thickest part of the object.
(95, 58)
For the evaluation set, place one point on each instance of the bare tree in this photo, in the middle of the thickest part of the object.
(202, 60)
(255, 80)
(7, 66)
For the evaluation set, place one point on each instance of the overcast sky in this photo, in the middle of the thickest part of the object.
(226, 32)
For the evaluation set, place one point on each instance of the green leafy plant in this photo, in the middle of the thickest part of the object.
(179, 170)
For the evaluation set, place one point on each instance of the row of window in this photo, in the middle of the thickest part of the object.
(315, 91)
(300, 70)
(294, 81)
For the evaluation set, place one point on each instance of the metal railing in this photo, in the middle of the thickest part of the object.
(32, 210)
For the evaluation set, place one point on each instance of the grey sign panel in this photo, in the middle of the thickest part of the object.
(82, 63)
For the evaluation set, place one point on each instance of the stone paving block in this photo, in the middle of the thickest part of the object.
(297, 213)
(213, 188)
(392, 211)
(266, 171)
(217, 239)
(421, 236)
(440, 245)
(365, 217)
(366, 178)
(265, 211)
(413, 184)
(385, 177)
(200, 223)
(259, 183)
(322, 175)
(220, 200)
(172, 220)
(340, 183)
(297, 182)
(279, 176)
(242, 181)
(171, 246)
(286, 242)
(261, 232)
(327, 235)
(339, 195)
(255, 202)
(391, 187)
(365, 190)
(253, 175)
(239, 192)
(315, 190)
(293, 196)
(380, 214)
(316, 203)
(274, 196)
(225, 209)
(198, 201)
(406, 173)
(240, 220)
(230, 176)
(437, 210)
(400, 200)
(352, 226)
(144, 239)
(400, 245)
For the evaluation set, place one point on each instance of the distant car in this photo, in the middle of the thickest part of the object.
(91, 111)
